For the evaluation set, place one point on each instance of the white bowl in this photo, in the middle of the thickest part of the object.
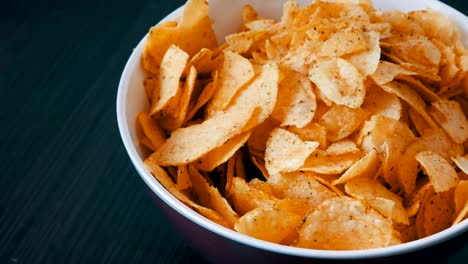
(214, 241)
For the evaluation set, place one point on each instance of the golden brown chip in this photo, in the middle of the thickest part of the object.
(379, 102)
(246, 198)
(298, 185)
(234, 73)
(365, 167)
(268, 223)
(172, 65)
(169, 185)
(367, 61)
(221, 154)
(191, 34)
(209, 196)
(451, 118)
(435, 214)
(340, 121)
(339, 81)
(286, 152)
(151, 129)
(296, 103)
(323, 163)
(387, 72)
(370, 191)
(441, 174)
(462, 163)
(343, 223)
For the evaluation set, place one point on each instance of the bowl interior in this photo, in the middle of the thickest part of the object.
(131, 99)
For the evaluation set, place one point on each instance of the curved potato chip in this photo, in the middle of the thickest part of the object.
(365, 167)
(221, 154)
(298, 185)
(343, 42)
(213, 132)
(344, 223)
(323, 163)
(379, 102)
(209, 196)
(451, 118)
(387, 72)
(342, 147)
(296, 103)
(268, 223)
(234, 73)
(311, 132)
(441, 174)
(151, 129)
(369, 190)
(172, 65)
(436, 213)
(434, 140)
(411, 97)
(339, 81)
(246, 198)
(340, 121)
(367, 61)
(191, 34)
(286, 152)
(161, 175)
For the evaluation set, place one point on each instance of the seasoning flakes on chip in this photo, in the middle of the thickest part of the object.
(337, 127)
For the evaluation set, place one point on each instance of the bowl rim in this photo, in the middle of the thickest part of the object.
(121, 110)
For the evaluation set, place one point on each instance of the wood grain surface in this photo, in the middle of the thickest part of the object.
(68, 191)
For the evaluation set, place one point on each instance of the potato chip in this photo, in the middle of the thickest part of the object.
(433, 140)
(179, 114)
(191, 34)
(379, 102)
(296, 103)
(365, 167)
(286, 152)
(204, 97)
(369, 190)
(343, 223)
(150, 85)
(387, 72)
(342, 43)
(441, 174)
(178, 149)
(172, 65)
(435, 214)
(418, 122)
(451, 118)
(321, 162)
(340, 121)
(183, 178)
(205, 61)
(462, 214)
(367, 61)
(268, 223)
(151, 129)
(260, 134)
(221, 154)
(248, 15)
(210, 197)
(342, 147)
(462, 163)
(234, 73)
(245, 198)
(422, 89)
(161, 175)
(311, 132)
(339, 81)
(262, 92)
(299, 185)
(411, 97)
(243, 41)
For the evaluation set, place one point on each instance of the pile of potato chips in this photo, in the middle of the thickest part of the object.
(338, 127)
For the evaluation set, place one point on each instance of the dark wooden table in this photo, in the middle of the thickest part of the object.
(68, 192)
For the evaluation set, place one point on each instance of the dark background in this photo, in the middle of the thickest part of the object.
(68, 192)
